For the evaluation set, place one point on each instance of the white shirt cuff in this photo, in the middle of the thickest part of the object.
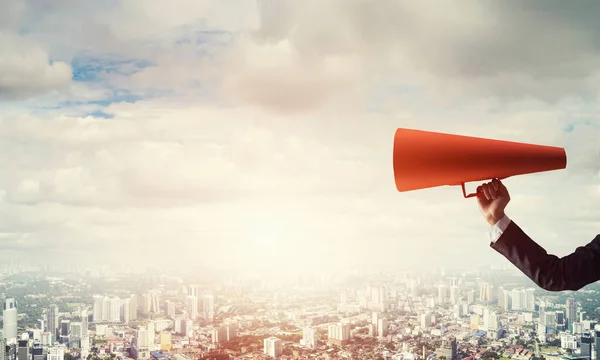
(496, 231)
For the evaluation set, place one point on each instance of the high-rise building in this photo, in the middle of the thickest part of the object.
(529, 299)
(84, 322)
(37, 352)
(338, 333)
(126, 311)
(133, 307)
(379, 298)
(76, 330)
(139, 346)
(442, 289)
(382, 328)
(65, 330)
(52, 322)
(154, 298)
(188, 327)
(570, 311)
(375, 317)
(523, 299)
(145, 304)
(114, 309)
(23, 350)
(470, 297)
(501, 299)
(224, 333)
(272, 347)
(97, 310)
(454, 295)
(449, 348)
(9, 317)
(193, 290)
(485, 292)
(191, 307)
(151, 334)
(209, 307)
(309, 337)
(586, 345)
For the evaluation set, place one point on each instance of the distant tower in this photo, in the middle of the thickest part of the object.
(209, 307)
(192, 307)
(52, 321)
(571, 311)
(84, 322)
(9, 317)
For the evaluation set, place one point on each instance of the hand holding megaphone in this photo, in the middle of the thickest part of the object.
(492, 197)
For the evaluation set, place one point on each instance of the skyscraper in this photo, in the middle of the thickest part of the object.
(97, 308)
(570, 311)
(309, 336)
(529, 299)
(442, 289)
(454, 295)
(23, 349)
(449, 348)
(209, 307)
(586, 345)
(52, 321)
(133, 307)
(272, 347)
(193, 290)
(338, 333)
(192, 307)
(9, 317)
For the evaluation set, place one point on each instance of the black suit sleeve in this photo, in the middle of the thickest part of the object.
(572, 272)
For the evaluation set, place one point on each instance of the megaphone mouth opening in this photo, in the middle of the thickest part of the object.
(422, 159)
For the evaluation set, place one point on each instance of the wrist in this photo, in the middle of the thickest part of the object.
(492, 219)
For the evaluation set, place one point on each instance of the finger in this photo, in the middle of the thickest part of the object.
(493, 190)
(495, 184)
(486, 191)
(481, 195)
(479, 192)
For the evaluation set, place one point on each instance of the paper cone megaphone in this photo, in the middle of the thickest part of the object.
(424, 159)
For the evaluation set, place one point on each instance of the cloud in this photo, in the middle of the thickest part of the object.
(483, 49)
(200, 175)
(26, 70)
(201, 134)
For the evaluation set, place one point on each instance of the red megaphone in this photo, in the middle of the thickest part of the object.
(424, 159)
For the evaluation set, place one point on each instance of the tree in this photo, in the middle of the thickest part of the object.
(489, 354)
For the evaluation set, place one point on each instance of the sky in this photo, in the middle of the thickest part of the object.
(256, 136)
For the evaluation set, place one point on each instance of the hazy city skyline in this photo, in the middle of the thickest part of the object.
(474, 315)
(203, 133)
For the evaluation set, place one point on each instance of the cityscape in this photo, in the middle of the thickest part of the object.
(440, 314)
(215, 180)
